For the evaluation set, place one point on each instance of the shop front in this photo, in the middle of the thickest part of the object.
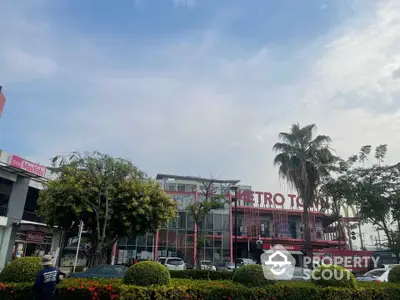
(32, 240)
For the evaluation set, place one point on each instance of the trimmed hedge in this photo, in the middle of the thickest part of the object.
(202, 275)
(394, 275)
(147, 273)
(333, 276)
(78, 289)
(252, 276)
(22, 269)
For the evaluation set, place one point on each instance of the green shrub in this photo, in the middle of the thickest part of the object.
(22, 269)
(394, 274)
(202, 275)
(147, 273)
(333, 276)
(252, 276)
(104, 289)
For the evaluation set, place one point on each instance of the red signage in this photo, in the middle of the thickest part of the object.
(20, 163)
(2, 102)
(288, 248)
(34, 237)
(268, 198)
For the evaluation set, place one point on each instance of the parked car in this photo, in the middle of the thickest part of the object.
(377, 275)
(207, 265)
(244, 262)
(173, 263)
(301, 274)
(102, 271)
(228, 266)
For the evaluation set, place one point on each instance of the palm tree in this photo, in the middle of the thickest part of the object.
(303, 162)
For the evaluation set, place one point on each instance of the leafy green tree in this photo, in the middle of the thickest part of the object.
(304, 160)
(208, 201)
(111, 196)
(375, 191)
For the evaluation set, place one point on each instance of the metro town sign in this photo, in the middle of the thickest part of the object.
(269, 199)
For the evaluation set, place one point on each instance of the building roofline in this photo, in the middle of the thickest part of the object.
(194, 178)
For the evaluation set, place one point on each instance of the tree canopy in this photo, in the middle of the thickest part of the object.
(208, 200)
(110, 195)
(303, 160)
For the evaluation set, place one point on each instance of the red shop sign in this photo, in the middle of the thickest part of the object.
(20, 163)
(288, 247)
(34, 237)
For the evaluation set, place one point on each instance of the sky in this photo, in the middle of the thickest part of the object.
(198, 87)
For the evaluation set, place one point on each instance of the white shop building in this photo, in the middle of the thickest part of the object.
(22, 232)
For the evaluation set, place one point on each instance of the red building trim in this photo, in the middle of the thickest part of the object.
(195, 234)
(230, 228)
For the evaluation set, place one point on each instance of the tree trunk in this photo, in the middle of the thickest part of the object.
(307, 236)
(198, 260)
(63, 242)
(198, 249)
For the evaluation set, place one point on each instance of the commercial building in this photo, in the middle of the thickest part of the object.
(273, 218)
(22, 232)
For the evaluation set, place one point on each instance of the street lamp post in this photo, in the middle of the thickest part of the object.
(234, 190)
(79, 244)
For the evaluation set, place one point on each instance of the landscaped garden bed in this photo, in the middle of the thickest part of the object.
(76, 289)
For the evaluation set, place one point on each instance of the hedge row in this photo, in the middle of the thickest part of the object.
(78, 289)
(202, 275)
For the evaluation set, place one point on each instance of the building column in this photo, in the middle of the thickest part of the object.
(17, 199)
(15, 211)
(7, 244)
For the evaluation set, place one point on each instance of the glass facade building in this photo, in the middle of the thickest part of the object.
(269, 224)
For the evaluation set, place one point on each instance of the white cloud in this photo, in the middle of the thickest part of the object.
(204, 111)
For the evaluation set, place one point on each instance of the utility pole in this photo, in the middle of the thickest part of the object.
(79, 244)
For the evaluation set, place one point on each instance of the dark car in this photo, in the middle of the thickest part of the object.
(102, 271)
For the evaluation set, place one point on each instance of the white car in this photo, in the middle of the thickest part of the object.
(173, 263)
(207, 265)
(377, 275)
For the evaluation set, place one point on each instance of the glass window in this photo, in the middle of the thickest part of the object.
(170, 187)
(181, 187)
(174, 262)
(182, 220)
(190, 188)
(162, 260)
(105, 270)
(190, 221)
(376, 273)
(217, 222)
(119, 270)
(141, 240)
(209, 222)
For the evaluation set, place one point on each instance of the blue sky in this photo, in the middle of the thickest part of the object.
(197, 86)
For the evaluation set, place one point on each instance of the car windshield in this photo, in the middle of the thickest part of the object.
(175, 262)
(375, 273)
(162, 260)
(206, 263)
